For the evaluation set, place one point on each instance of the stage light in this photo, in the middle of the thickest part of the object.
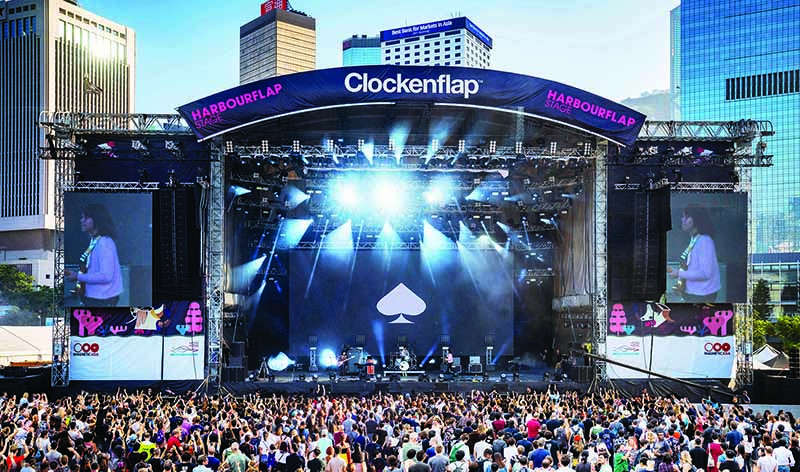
(314, 378)
(462, 144)
(301, 378)
(515, 376)
(360, 145)
(347, 195)
(228, 147)
(271, 378)
(327, 359)
(587, 149)
(434, 145)
(553, 147)
(546, 376)
(172, 181)
(296, 145)
(391, 144)
(423, 378)
(503, 377)
(279, 362)
(485, 376)
(441, 377)
(264, 146)
(518, 147)
(332, 377)
(492, 147)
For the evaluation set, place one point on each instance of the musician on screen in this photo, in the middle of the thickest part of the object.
(698, 277)
(100, 277)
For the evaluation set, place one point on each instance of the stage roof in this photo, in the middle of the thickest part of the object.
(452, 87)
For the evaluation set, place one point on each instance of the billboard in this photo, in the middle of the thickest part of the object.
(108, 249)
(436, 27)
(348, 86)
(163, 343)
(707, 248)
(677, 340)
(270, 5)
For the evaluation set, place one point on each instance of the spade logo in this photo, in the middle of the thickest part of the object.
(401, 301)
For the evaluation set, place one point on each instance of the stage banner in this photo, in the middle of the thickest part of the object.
(675, 319)
(673, 356)
(676, 340)
(162, 343)
(270, 98)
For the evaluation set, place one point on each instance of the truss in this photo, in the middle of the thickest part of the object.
(136, 124)
(742, 130)
(214, 265)
(688, 187)
(113, 186)
(600, 299)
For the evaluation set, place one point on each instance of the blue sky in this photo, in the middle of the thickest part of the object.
(615, 48)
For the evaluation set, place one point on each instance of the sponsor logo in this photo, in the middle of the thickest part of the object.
(566, 104)
(717, 349)
(85, 349)
(212, 113)
(633, 348)
(188, 349)
(356, 82)
(401, 302)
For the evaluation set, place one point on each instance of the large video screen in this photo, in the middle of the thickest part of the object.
(393, 296)
(108, 249)
(707, 248)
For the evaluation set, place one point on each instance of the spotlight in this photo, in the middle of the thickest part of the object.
(314, 378)
(301, 378)
(332, 377)
(228, 147)
(441, 377)
(485, 376)
(515, 376)
(271, 377)
(424, 378)
(503, 377)
(378, 377)
(546, 376)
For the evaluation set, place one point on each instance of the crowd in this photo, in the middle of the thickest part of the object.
(548, 431)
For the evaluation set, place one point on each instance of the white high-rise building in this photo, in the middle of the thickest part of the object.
(54, 56)
(453, 42)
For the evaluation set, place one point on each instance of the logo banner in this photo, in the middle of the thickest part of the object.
(681, 357)
(277, 96)
(674, 319)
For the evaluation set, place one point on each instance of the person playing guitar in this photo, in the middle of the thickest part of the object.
(99, 280)
(698, 279)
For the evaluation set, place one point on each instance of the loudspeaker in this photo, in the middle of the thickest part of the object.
(15, 371)
(475, 368)
(582, 374)
(652, 220)
(238, 362)
(233, 374)
(794, 363)
(441, 387)
(237, 349)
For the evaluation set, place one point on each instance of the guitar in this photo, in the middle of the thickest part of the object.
(342, 361)
(83, 266)
(680, 286)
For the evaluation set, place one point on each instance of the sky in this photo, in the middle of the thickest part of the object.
(187, 50)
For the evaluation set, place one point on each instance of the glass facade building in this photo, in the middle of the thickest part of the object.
(277, 43)
(361, 51)
(740, 59)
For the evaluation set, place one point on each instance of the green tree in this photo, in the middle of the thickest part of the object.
(761, 330)
(12, 280)
(788, 328)
(762, 310)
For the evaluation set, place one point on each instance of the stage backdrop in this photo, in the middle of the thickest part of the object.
(293, 93)
(383, 295)
(679, 340)
(132, 217)
(162, 343)
(727, 214)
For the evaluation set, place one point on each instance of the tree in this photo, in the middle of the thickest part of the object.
(761, 330)
(762, 310)
(788, 328)
(12, 280)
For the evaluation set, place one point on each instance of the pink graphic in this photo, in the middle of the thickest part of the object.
(119, 329)
(617, 319)
(656, 315)
(718, 324)
(194, 320)
(87, 324)
(690, 330)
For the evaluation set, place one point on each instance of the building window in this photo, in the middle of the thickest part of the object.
(392, 43)
(457, 48)
(458, 62)
(458, 54)
(437, 43)
(447, 56)
(436, 51)
(432, 36)
(33, 24)
(407, 48)
(447, 63)
(416, 54)
(407, 55)
(446, 49)
(416, 61)
(457, 40)
(416, 46)
(427, 52)
(447, 41)
(396, 49)
(436, 58)
(407, 62)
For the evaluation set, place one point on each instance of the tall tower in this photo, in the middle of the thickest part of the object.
(278, 42)
(361, 51)
(54, 56)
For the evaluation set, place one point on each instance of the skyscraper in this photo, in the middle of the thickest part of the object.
(361, 51)
(453, 42)
(54, 56)
(276, 43)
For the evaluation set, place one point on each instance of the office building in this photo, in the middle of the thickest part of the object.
(54, 56)
(278, 42)
(361, 51)
(453, 42)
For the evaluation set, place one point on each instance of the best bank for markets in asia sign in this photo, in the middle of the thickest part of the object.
(502, 91)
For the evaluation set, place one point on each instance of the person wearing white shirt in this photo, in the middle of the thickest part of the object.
(783, 457)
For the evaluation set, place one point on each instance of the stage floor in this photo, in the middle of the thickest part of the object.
(308, 382)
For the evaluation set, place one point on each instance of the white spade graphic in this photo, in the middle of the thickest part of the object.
(401, 301)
